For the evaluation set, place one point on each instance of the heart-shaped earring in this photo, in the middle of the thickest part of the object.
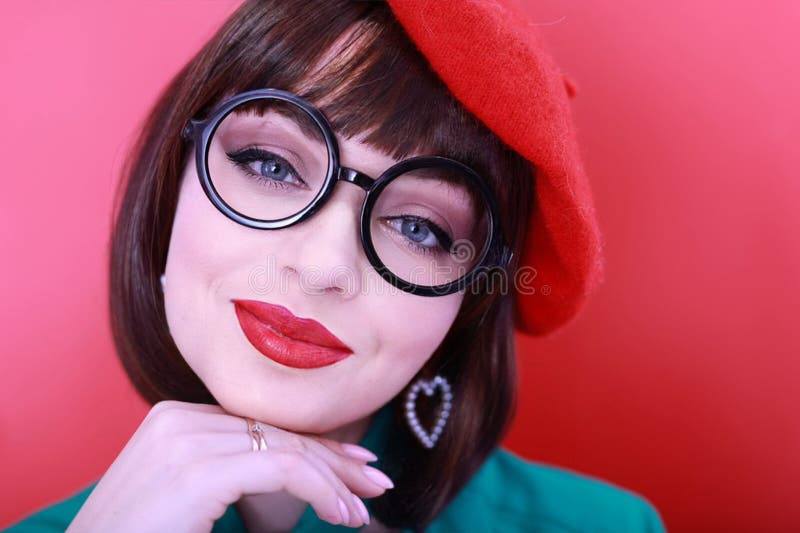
(428, 439)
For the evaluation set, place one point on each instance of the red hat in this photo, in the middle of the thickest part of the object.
(493, 62)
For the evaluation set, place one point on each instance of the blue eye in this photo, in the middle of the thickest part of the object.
(272, 168)
(420, 234)
(417, 232)
(268, 168)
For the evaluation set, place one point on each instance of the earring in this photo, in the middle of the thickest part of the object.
(428, 439)
(163, 281)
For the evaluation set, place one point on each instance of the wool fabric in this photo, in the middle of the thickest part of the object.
(490, 56)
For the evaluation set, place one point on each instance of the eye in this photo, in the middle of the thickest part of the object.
(420, 234)
(266, 166)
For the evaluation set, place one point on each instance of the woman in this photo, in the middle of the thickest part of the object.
(336, 237)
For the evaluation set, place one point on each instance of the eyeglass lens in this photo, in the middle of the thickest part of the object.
(268, 160)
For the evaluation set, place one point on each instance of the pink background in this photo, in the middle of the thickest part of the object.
(680, 380)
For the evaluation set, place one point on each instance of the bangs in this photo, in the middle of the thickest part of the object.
(367, 78)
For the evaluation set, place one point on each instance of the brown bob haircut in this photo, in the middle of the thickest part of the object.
(382, 88)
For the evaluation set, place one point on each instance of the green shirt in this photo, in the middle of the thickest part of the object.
(507, 493)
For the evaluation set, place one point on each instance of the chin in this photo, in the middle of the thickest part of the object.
(306, 419)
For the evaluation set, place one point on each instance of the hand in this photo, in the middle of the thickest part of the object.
(187, 462)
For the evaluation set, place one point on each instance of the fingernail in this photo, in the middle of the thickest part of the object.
(362, 509)
(358, 452)
(343, 511)
(378, 477)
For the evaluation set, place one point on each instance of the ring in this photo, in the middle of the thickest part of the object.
(256, 432)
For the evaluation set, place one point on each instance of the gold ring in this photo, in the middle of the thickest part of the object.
(256, 432)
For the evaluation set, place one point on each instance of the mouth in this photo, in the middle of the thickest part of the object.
(287, 339)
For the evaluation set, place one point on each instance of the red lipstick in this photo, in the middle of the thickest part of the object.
(287, 339)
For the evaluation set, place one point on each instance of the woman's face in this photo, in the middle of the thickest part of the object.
(316, 269)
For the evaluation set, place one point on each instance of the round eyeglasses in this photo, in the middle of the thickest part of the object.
(269, 159)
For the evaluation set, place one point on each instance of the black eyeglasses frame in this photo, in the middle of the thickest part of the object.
(200, 131)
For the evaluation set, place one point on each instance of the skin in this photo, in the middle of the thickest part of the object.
(209, 262)
(187, 462)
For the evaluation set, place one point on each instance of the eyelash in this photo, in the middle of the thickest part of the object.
(249, 154)
(437, 231)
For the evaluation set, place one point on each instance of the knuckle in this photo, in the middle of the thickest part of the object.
(161, 406)
(164, 421)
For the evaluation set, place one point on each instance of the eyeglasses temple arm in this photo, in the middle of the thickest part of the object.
(188, 131)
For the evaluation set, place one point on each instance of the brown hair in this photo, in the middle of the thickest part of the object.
(383, 88)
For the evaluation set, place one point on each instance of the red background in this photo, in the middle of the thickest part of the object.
(680, 378)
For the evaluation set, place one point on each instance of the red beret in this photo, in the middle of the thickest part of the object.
(493, 62)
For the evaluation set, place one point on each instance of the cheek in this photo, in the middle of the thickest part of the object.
(206, 256)
(189, 270)
(410, 329)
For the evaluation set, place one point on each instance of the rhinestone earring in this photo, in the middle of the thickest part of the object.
(163, 279)
(428, 439)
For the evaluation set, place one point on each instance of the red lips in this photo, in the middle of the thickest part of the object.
(286, 339)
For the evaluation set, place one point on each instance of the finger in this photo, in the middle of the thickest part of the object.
(357, 452)
(347, 496)
(280, 439)
(228, 478)
(364, 480)
(347, 449)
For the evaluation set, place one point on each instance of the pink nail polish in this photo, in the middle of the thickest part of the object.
(344, 512)
(362, 509)
(378, 477)
(357, 452)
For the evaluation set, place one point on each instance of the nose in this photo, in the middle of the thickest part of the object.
(326, 248)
